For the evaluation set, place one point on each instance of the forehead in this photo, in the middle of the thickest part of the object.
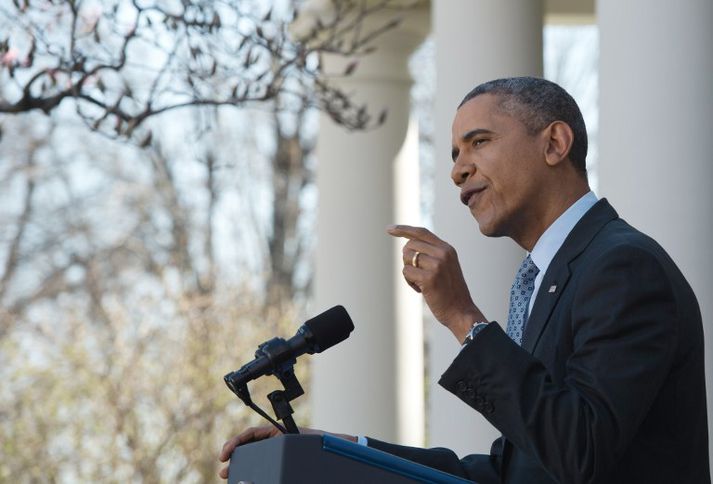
(481, 112)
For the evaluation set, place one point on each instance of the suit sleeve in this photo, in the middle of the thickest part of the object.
(623, 335)
(480, 468)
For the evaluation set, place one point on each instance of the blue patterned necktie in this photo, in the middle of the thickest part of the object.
(520, 294)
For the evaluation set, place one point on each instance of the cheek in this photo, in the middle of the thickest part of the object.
(489, 206)
(506, 195)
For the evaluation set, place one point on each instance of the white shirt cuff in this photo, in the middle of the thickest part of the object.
(361, 440)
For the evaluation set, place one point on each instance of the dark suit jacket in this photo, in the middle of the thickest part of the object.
(608, 386)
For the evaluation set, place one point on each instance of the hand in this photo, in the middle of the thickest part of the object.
(439, 278)
(254, 434)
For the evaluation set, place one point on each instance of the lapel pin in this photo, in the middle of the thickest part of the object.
(552, 289)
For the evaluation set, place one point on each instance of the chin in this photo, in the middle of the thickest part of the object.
(486, 229)
(490, 229)
(491, 221)
(488, 232)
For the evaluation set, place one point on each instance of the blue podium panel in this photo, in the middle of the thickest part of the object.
(315, 459)
(396, 465)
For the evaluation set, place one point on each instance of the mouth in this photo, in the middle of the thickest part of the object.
(467, 197)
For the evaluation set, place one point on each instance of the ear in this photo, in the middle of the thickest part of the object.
(558, 141)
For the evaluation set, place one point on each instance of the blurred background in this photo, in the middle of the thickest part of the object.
(183, 180)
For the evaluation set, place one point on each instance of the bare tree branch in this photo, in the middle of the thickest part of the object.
(206, 54)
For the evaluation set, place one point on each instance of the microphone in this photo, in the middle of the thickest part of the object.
(314, 336)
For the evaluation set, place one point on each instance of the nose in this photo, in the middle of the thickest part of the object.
(461, 171)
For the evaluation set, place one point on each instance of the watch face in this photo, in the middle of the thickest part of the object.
(477, 328)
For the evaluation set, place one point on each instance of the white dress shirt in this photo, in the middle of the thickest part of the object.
(552, 239)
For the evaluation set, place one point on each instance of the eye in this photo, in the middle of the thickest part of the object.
(479, 141)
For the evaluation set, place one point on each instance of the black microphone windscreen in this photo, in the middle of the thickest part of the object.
(329, 328)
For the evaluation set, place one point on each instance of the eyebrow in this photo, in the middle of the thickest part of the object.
(467, 137)
(473, 133)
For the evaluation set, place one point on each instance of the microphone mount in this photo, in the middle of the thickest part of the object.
(275, 350)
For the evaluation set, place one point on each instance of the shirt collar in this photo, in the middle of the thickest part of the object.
(552, 239)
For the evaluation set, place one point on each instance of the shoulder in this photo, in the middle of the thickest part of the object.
(601, 234)
(616, 239)
(624, 260)
(622, 255)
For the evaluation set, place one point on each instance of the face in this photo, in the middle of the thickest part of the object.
(498, 167)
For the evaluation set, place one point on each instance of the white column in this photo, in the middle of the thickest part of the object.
(656, 144)
(410, 371)
(476, 41)
(372, 384)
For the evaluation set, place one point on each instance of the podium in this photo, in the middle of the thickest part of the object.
(325, 459)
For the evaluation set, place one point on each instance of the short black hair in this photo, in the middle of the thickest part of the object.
(536, 103)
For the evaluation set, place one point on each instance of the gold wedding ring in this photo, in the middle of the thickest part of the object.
(414, 259)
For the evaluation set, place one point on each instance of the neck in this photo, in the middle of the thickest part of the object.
(551, 209)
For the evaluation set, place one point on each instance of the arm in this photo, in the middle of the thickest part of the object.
(623, 336)
(477, 467)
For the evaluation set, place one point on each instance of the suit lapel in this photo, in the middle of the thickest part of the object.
(558, 272)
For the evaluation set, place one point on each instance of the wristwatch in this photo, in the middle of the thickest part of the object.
(477, 328)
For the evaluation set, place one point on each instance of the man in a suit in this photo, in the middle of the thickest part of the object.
(599, 376)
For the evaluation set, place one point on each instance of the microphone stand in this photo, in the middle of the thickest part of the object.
(280, 399)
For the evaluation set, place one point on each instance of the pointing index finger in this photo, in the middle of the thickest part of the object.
(413, 233)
